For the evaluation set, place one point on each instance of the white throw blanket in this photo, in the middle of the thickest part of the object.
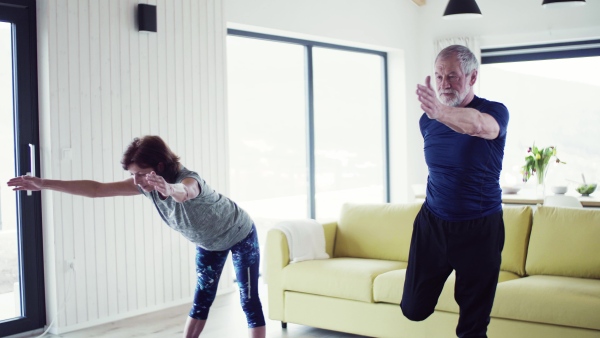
(306, 239)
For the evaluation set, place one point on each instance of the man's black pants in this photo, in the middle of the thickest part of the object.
(473, 249)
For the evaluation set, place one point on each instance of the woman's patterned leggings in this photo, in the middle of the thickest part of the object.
(246, 260)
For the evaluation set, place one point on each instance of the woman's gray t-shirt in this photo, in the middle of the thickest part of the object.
(210, 220)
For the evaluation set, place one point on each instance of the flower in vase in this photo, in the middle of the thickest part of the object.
(536, 162)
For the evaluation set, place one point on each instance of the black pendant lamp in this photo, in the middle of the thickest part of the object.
(458, 9)
(562, 3)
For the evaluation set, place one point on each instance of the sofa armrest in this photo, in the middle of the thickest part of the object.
(330, 230)
(278, 257)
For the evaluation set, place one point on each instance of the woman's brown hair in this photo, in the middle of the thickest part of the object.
(148, 152)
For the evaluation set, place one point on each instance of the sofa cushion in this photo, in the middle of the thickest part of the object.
(389, 286)
(348, 278)
(377, 231)
(517, 228)
(447, 303)
(565, 242)
(550, 299)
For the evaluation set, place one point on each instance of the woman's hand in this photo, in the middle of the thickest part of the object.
(180, 192)
(159, 184)
(25, 182)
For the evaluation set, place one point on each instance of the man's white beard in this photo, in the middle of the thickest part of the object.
(454, 100)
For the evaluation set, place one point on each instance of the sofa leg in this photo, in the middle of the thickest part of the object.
(283, 325)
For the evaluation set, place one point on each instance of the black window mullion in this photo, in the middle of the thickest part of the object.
(310, 130)
(386, 133)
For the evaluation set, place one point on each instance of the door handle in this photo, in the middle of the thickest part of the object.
(31, 164)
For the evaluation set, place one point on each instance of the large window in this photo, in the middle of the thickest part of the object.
(349, 129)
(307, 127)
(551, 93)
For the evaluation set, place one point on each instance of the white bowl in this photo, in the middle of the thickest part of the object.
(559, 189)
(510, 190)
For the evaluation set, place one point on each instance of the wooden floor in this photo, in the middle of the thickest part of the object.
(226, 320)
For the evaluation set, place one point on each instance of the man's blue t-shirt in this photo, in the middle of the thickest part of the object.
(464, 171)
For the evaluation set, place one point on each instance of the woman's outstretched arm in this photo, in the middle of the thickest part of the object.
(85, 188)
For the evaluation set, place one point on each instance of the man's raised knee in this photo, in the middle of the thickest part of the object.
(415, 314)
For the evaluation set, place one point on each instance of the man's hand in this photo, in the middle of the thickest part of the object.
(430, 104)
(159, 184)
(25, 183)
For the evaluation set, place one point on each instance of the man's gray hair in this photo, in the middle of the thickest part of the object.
(468, 61)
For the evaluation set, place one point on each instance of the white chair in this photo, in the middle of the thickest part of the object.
(419, 191)
(562, 201)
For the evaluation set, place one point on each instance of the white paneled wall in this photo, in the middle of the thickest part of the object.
(102, 83)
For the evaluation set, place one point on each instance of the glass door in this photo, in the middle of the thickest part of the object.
(10, 299)
(22, 305)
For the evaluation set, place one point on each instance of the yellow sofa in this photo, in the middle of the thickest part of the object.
(549, 283)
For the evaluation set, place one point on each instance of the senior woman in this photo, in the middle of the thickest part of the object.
(213, 222)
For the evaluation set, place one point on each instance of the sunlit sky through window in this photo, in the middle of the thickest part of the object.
(582, 70)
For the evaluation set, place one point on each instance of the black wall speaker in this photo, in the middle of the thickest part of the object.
(147, 18)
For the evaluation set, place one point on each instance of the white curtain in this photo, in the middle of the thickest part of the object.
(469, 42)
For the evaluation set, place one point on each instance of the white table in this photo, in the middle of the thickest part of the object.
(528, 197)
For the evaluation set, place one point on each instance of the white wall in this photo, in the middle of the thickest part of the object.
(102, 83)
(515, 22)
(408, 32)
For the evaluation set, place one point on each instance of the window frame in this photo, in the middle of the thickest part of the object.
(22, 15)
(563, 50)
(308, 48)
